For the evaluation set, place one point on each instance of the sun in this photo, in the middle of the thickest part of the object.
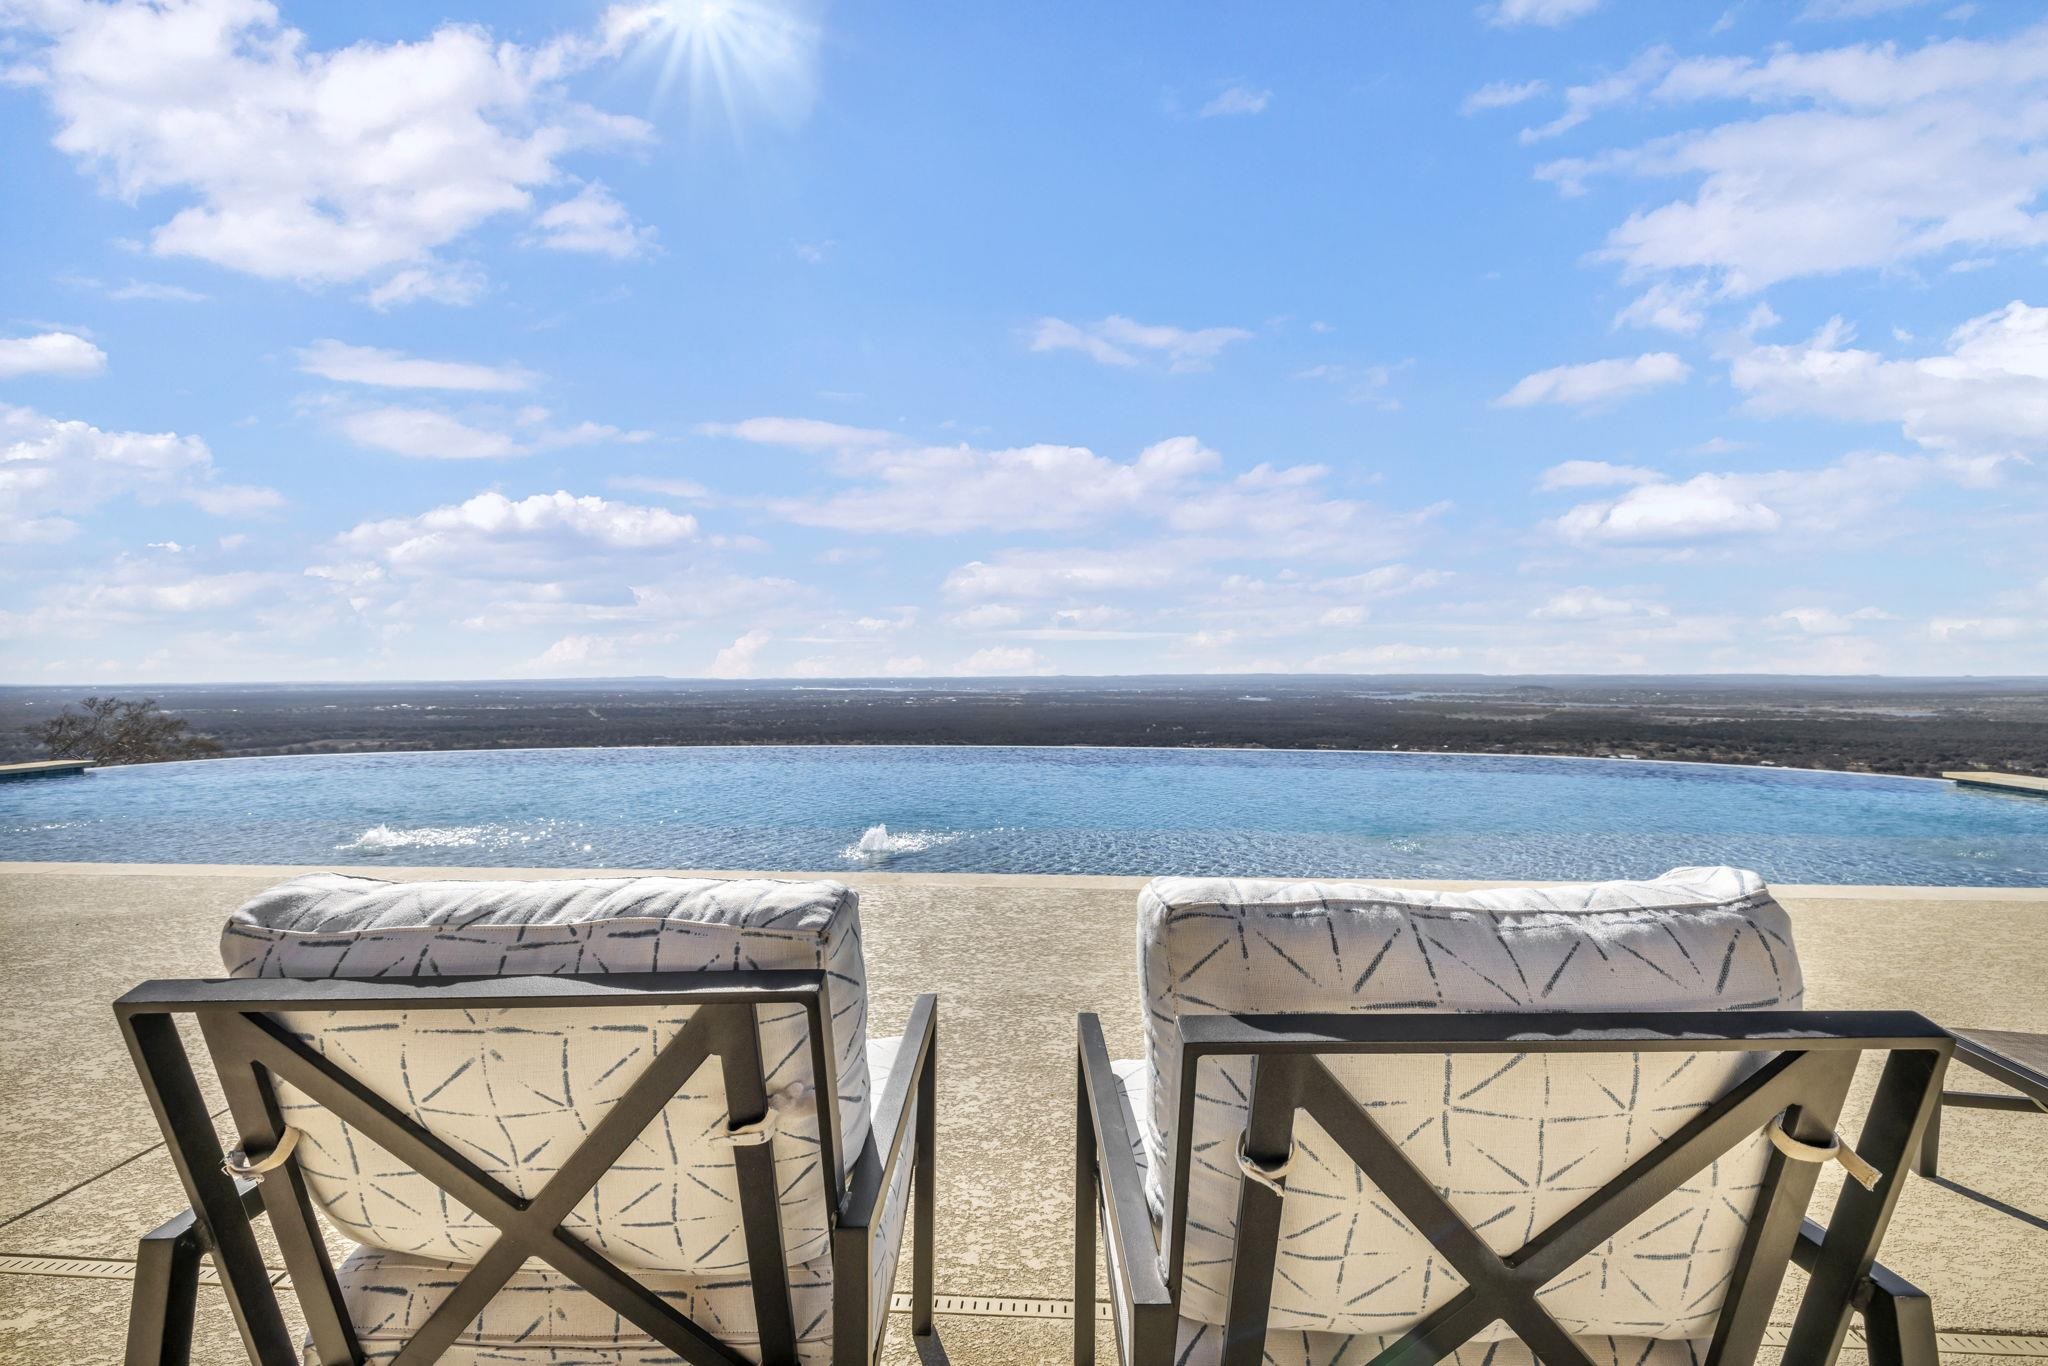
(736, 58)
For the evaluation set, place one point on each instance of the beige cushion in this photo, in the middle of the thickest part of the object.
(1513, 1141)
(542, 1318)
(515, 1091)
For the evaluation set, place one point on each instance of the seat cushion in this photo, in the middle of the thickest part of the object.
(1513, 1142)
(514, 1092)
(542, 1318)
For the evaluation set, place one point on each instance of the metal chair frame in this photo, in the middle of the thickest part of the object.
(250, 1052)
(1814, 1057)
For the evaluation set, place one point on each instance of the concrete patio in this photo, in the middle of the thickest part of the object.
(87, 1172)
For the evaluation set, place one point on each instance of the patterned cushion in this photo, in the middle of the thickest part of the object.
(1514, 1142)
(516, 1091)
(542, 1318)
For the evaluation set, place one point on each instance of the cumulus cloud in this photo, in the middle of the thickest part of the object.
(64, 354)
(1120, 341)
(491, 534)
(1596, 382)
(594, 222)
(1707, 507)
(1987, 392)
(335, 360)
(742, 658)
(304, 164)
(1819, 621)
(1668, 307)
(52, 470)
(1867, 156)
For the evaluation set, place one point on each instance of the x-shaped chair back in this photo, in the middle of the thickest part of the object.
(251, 1051)
(1814, 1058)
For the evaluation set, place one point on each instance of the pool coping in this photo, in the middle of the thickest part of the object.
(1806, 890)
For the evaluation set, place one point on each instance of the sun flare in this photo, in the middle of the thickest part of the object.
(736, 58)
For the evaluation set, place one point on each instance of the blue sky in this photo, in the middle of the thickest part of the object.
(752, 339)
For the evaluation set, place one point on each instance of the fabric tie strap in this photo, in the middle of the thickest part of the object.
(1273, 1177)
(237, 1163)
(747, 1135)
(1834, 1150)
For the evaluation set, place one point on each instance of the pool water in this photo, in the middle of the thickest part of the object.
(1034, 810)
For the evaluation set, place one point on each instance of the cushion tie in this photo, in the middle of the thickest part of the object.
(748, 1135)
(237, 1163)
(1272, 1176)
(1834, 1150)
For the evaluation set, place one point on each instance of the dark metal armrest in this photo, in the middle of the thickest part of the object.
(876, 1163)
(1135, 1250)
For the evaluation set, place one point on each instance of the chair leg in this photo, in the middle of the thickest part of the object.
(166, 1294)
(1898, 1322)
(1085, 1179)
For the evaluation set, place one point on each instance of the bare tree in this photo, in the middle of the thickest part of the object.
(111, 730)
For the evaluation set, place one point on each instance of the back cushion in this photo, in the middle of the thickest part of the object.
(515, 1091)
(1514, 1142)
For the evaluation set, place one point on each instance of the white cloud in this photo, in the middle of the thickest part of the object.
(1988, 391)
(493, 535)
(805, 432)
(1597, 381)
(426, 434)
(1117, 340)
(1708, 507)
(457, 285)
(302, 164)
(1236, 100)
(347, 364)
(742, 658)
(1819, 621)
(941, 490)
(1002, 660)
(155, 293)
(593, 222)
(1502, 95)
(1869, 157)
(1543, 13)
(1581, 102)
(1590, 604)
(64, 354)
(1063, 574)
(1579, 474)
(430, 434)
(1667, 306)
(52, 470)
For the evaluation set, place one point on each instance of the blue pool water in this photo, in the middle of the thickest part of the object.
(1019, 810)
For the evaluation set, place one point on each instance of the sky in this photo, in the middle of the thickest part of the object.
(740, 338)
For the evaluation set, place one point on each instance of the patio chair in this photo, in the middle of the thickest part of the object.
(566, 1122)
(1352, 1140)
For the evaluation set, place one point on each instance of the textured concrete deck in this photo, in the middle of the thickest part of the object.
(1013, 960)
(2001, 782)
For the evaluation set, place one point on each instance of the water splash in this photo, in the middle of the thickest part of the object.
(877, 844)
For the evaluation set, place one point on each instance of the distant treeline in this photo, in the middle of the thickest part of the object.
(1910, 728)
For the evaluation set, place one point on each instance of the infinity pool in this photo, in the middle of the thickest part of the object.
(1018, 810)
